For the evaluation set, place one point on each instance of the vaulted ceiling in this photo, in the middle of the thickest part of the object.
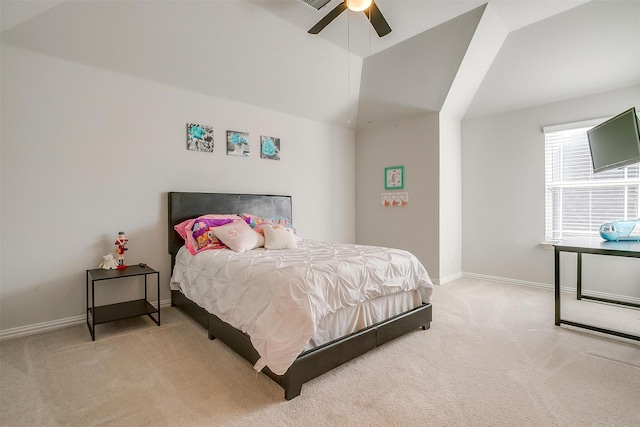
(259, 52)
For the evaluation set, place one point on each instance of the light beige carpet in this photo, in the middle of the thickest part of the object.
(492, 357)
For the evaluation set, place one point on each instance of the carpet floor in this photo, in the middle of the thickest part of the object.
(493, 357)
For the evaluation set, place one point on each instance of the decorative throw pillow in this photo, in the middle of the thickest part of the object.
(198, 232)
(203, 236)
(239, 236)
(279, 237)
(257, 222)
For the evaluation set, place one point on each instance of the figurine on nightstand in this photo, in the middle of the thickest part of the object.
(109, 262)
(121, 246)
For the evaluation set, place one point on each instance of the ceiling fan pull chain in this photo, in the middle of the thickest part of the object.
(348, 69)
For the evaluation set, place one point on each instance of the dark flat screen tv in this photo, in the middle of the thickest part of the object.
(615, 143)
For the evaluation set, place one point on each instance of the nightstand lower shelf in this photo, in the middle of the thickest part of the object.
(122, 310)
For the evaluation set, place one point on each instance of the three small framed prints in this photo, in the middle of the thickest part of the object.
(200, 138)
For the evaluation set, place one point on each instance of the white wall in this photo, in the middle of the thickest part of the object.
(88, 152)
(503, 196)
(450, 200)
(412, 143)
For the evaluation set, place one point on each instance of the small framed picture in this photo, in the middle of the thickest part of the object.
(238, 143)
(269, 147)
(199, 137)
(394, 178)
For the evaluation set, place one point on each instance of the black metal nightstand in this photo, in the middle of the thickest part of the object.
(121, 310)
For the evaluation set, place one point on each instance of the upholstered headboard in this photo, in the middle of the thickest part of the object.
(185, 205)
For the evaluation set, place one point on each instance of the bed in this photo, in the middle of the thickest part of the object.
(312, 360)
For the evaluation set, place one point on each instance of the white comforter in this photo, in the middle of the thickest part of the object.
(278, 297)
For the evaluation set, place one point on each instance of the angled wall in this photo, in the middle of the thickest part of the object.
(483, 48)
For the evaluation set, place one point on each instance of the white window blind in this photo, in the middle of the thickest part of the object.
(577, 200)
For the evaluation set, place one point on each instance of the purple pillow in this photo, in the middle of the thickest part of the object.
(197, 232)
(203, 236)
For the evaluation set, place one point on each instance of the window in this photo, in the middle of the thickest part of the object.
(577, 201)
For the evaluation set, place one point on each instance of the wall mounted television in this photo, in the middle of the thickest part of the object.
(615, 143)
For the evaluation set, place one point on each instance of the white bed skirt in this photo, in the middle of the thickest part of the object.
(352, 319)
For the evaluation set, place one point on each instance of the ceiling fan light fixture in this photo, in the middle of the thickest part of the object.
(368, 7)
(358, 5)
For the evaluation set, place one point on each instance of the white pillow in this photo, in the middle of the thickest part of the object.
(239, 236)
(279, 237)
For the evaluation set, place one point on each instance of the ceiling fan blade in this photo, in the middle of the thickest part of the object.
(328, 18)
(377, 20)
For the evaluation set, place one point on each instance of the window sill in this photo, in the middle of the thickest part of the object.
(548, 244)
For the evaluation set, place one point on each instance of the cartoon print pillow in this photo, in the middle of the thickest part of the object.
(198, 233)
(203, 235)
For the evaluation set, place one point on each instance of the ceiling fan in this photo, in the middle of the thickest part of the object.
(369, 8)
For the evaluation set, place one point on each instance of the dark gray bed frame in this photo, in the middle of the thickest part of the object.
(311, 363)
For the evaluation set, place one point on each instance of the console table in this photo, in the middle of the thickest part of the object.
(594, 246)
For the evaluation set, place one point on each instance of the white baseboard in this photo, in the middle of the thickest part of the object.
(445, 280)
(36, 328)
(507, 280)
(566, 289)
(40, 327)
